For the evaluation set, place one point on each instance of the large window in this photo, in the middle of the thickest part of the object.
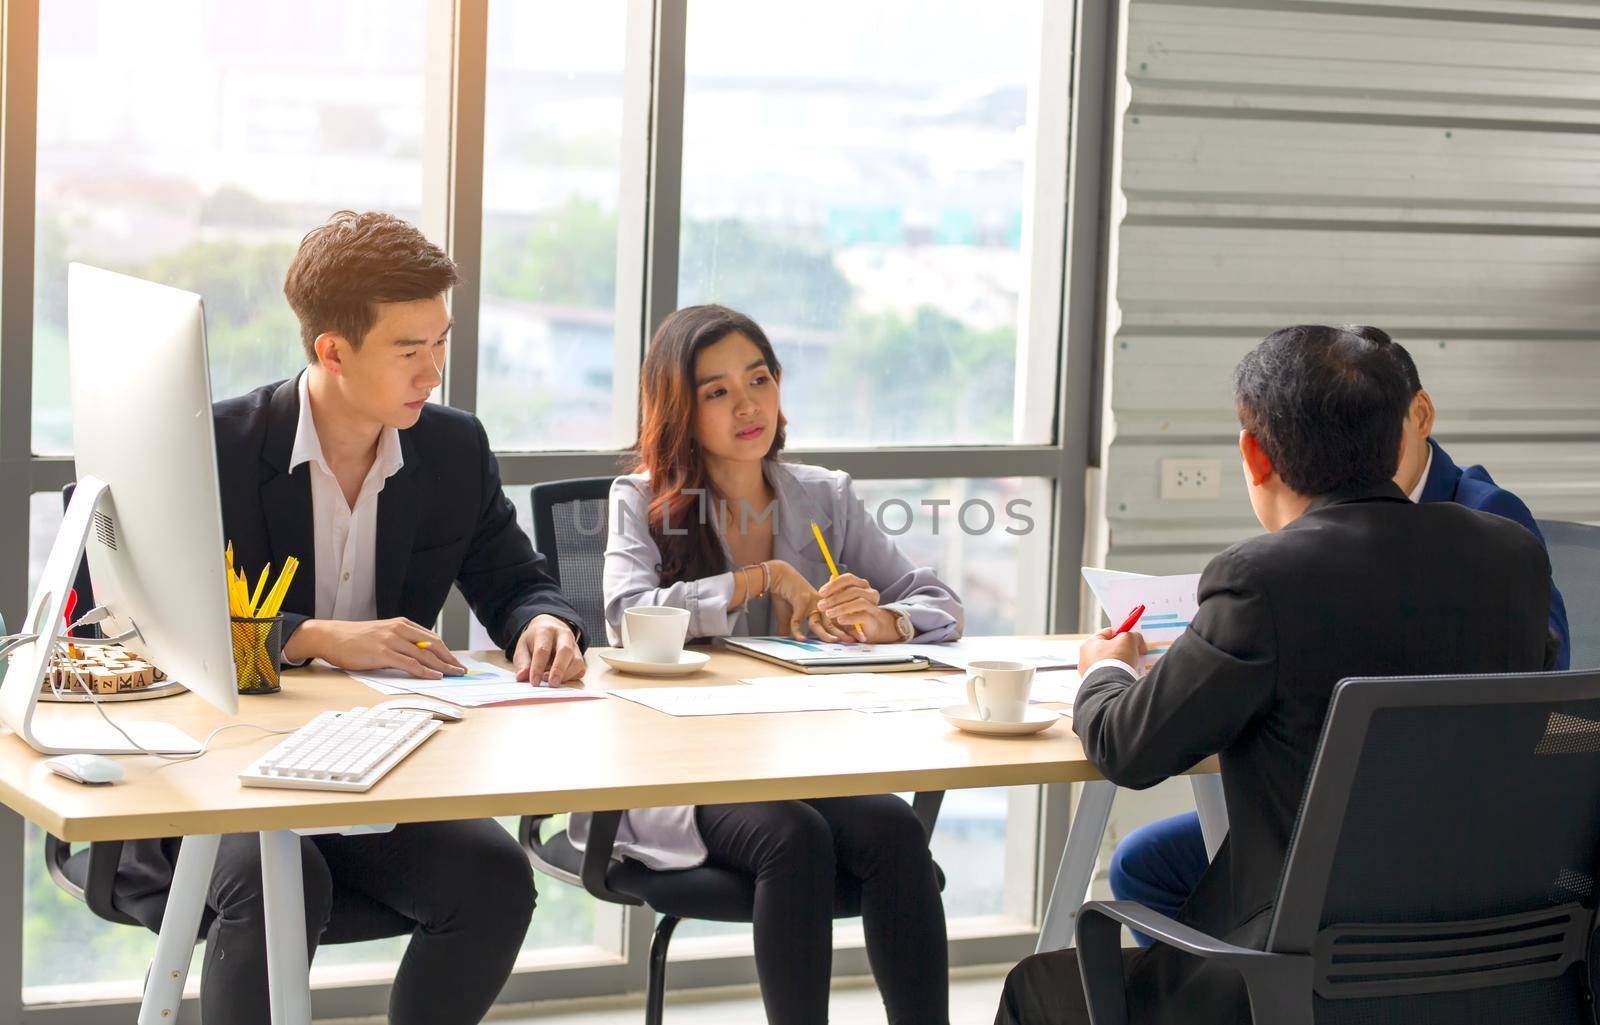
(193, 142)
(853, 179)
(553, 132)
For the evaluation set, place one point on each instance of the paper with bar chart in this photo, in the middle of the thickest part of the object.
(1169, 605)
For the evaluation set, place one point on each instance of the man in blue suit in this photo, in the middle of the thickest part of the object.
(1159, 865)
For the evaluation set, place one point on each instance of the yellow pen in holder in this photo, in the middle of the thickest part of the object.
(257, 626)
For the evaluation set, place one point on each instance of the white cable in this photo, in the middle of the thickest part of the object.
(95, 701)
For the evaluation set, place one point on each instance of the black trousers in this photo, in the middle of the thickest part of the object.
(463, 890)
(1161, 987)
(1044, 989)
(798, 851)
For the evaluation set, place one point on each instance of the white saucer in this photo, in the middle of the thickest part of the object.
(1036, 721)
(688, 662)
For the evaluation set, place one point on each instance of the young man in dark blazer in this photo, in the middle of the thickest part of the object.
(1159, 864)
(386, 500)
(1352, 579)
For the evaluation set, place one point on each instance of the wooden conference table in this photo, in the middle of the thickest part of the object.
(513, 760)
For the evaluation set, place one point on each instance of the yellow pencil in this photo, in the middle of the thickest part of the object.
(281, 590)
(833, 569)
(261, 583)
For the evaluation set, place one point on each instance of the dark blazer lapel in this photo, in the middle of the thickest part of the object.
(1443, 477)
(399, 511)
(286, 500)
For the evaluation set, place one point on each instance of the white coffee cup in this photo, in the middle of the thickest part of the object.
(655, 633)
(998, 691)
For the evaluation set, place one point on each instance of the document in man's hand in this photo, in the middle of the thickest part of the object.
(1170, 603)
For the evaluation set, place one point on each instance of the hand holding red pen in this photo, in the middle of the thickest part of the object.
(1121, 643)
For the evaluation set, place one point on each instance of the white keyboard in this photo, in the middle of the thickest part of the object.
(342, 750)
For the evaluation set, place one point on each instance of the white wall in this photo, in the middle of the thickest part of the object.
(1433, 172)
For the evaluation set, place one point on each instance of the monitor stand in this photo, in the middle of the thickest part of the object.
(19, 692)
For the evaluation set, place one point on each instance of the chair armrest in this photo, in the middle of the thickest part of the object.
(528, 836)
(1174, 934)
(1279, 985)
(603, 827)
(56, 853)
(926, 806)
(100, 879)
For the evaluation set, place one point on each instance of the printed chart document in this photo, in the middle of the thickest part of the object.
(813, 656)
(1169, 605)
(1099, 580)
(959, 654)
(483, 685)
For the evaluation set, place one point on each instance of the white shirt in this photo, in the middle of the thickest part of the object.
(1422, 482)
(345, 539)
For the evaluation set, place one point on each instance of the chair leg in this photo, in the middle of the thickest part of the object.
(656, 993)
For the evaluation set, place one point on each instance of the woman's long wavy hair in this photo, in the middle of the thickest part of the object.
(683, 493)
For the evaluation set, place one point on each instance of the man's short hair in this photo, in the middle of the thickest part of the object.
(1326, 404)
(352, 262)
(1413, 379)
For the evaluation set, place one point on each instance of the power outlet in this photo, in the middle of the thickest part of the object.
(1188, 479)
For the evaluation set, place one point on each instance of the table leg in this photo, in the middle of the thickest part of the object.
(186, 902)
(288, 965)
(1213, 809)
(1084, 836)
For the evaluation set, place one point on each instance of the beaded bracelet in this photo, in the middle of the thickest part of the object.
(766, 577)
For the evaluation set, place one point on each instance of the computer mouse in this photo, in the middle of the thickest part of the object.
(92, 769)
(433, 706)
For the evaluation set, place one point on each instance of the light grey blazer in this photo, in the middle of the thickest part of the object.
(667, 838)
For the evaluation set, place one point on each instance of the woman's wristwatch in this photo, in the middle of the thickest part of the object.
(902, 622)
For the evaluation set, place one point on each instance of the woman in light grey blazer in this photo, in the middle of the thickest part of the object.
(712, 522)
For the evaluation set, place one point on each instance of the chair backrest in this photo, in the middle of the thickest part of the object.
(571, 522)
(1443, 866)
(1575, 562)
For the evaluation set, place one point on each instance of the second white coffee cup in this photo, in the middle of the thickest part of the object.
(654, 633)
(998, 690)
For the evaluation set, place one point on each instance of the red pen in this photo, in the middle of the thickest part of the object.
(72, 604)
(1127, 624)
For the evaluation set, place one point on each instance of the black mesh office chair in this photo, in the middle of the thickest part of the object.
(571, 521)
(1575, 562)
(570, 525)
(1442, 871)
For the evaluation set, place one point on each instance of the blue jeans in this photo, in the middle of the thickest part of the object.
(1159, 865)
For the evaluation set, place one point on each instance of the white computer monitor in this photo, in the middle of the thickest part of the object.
(146, 511)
